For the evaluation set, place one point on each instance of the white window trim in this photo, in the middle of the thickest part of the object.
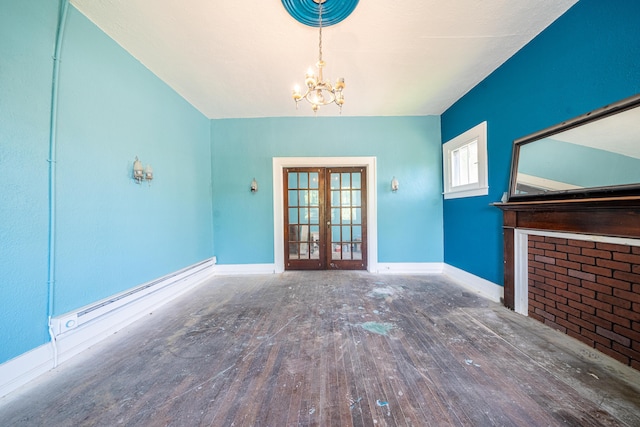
(480, 188)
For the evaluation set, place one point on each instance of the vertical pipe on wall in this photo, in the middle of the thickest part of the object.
(62, 17)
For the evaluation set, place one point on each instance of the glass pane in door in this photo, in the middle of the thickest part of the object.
(303, 216)
(346, 208)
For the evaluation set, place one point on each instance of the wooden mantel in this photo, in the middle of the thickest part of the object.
(612, 216)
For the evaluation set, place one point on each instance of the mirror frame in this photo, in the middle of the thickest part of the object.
(582, 193)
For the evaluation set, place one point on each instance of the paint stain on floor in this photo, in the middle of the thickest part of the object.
(381, 292)
(377, 328)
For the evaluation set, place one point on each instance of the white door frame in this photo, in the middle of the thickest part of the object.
(279, 163)
(521, 271)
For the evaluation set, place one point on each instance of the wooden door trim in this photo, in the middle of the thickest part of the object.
(369, 163)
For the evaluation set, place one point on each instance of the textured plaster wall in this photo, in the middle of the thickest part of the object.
(588, 58)
(111, 234)
(27, 32)
(409, 221)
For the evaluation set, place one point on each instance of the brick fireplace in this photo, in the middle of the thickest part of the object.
(588, 290)
(575, 266)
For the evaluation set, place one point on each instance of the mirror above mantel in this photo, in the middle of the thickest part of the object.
(594, 155)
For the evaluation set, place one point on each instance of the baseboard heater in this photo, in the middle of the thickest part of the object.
(68, 321)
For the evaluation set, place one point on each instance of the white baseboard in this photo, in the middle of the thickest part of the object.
(380, 268)
(238, 269)
(474, 283)
(409, 268)
(26, 367)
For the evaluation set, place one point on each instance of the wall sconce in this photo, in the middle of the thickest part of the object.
(394, 184)
(254, 186)
(141, 174)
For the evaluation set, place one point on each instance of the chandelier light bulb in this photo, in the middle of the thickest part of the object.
(296, 94)
(310, 81)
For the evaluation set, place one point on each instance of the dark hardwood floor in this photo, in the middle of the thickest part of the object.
(332, 349)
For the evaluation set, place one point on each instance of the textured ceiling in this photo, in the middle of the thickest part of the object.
(241, 58)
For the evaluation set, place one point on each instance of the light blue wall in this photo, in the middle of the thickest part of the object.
(577, 164)
(409, 221)
(27, 31)
(112, 234)
(585, 60)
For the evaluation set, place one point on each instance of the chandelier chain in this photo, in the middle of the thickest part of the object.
(320, 42)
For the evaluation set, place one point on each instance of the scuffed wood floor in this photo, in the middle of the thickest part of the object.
(332, 349)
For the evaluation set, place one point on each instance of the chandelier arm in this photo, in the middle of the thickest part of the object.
(326, 101)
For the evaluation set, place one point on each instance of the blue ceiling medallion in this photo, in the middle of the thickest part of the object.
(306, 11)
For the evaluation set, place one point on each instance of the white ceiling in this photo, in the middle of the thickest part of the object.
(241, 58)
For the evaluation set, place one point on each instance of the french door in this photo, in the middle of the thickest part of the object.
(325, 218)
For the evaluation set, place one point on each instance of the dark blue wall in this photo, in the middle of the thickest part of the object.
(588, 58)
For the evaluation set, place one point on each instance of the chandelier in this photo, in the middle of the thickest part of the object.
(320, 92)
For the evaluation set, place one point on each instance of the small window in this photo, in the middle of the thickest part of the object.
(465, 164)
